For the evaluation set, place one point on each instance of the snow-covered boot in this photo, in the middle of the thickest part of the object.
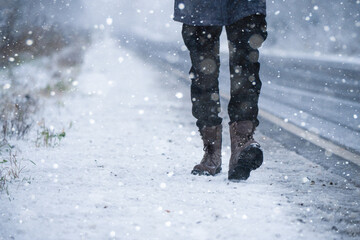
(211, 162)
(246, 153)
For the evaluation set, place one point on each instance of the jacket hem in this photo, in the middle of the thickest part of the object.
(212, 22)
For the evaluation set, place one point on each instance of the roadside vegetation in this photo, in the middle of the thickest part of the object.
(41, 53)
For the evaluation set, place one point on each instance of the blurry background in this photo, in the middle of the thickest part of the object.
(34, 28)
(38, 27)
(309, 25)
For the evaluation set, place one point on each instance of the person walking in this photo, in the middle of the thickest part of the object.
(245, 25)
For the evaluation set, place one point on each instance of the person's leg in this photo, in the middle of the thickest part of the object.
(245, 37)
(203, 44)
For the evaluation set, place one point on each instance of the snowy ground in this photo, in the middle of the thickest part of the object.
(123, 171)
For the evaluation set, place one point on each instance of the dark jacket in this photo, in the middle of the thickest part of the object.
(216, 12)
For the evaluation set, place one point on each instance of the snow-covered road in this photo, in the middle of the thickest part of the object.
(123, 172)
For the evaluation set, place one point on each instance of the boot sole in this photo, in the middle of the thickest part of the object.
(206, 173)
(250, 159)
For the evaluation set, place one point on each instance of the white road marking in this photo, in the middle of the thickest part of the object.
(312, 137)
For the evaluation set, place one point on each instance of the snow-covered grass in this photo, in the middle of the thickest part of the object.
(24, 86)
(123, 171)
(47, 137)
(25, 90)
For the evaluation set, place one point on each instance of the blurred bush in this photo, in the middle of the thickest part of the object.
(32, 28)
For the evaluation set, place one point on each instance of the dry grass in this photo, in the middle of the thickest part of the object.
(16, 111)
(10, 167)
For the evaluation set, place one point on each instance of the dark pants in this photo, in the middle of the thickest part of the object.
(244, 37)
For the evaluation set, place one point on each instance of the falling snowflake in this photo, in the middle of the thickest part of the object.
(109, 21)
(29, 42)
(6, 86)
(179, 95)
